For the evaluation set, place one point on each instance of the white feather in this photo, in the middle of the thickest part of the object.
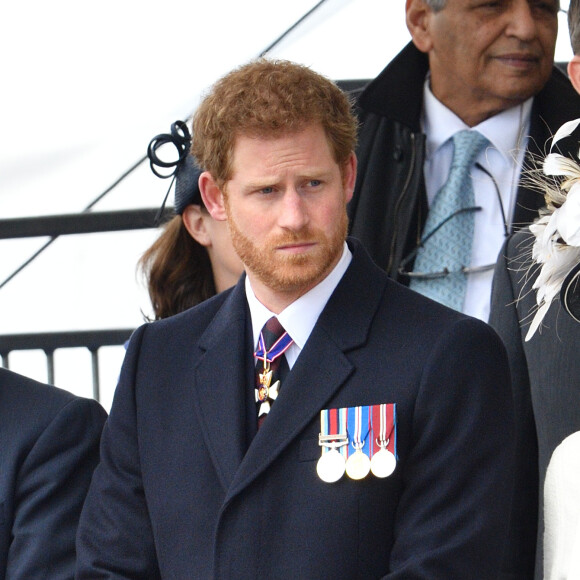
(556, 247)
(564, 131)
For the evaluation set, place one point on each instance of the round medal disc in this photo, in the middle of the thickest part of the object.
(330, 466)
(383, 463)
(358, 465)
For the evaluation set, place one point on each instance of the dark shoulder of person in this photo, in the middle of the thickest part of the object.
(22, 396)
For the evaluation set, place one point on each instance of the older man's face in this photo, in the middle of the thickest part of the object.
(486, 56)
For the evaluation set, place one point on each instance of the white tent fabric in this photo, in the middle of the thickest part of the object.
(85, 87)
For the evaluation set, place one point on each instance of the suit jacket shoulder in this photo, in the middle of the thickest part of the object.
(49, 440)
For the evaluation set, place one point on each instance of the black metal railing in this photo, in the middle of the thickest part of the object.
(54, 226)
(49, 342)
(78, 223)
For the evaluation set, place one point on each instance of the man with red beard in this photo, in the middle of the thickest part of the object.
(318, 420)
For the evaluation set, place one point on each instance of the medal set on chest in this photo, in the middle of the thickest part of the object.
(358, 441)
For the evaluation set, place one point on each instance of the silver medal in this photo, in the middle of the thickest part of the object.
(330, 466)
(383, 463)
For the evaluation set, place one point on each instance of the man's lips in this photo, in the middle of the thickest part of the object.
(519, 60)
(296, 247)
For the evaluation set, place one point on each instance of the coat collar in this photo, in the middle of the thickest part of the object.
(402, 100)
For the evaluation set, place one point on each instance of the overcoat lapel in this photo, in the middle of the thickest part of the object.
(321, 369)
(222, 384)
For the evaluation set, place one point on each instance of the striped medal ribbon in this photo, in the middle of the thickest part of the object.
(383, 420)
(333, 439)
(358, 464)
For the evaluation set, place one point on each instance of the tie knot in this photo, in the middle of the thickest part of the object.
(467, 145)
(272, 331)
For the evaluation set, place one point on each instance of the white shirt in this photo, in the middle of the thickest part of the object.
(503, 158)
(299, 318)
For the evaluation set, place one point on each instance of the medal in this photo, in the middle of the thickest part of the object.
(330, 466)
(265, 391)
(334, 442)
(383, 463)
(383, 460)
(266, 394)
(265, 378)
(358, 464)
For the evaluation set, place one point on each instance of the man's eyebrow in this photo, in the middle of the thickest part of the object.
(272, 181)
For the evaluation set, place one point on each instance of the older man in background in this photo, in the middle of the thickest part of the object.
(446, 129)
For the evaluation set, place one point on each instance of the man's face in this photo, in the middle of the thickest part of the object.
(486, 56)
(286, 210)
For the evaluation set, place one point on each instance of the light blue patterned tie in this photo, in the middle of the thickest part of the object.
(449, 248)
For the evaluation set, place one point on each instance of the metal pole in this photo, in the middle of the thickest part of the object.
(50, 366)
(96, 379)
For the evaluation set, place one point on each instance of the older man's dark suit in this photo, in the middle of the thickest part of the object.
(187, 489)
(49, 447)
(546, 369)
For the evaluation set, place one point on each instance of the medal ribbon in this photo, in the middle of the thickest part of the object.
(384, 426)
(358, 428)
(333, 422)
(278, 348)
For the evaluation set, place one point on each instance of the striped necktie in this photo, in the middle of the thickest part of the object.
(271, 365)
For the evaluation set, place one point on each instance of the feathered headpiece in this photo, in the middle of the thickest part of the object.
(556, 248)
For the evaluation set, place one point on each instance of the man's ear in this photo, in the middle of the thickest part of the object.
(212, 196)
(195, 224)
(574, 72)
(349, 174)
(418, 15)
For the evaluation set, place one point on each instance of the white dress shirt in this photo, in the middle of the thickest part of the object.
(299, 318)
(503, 159)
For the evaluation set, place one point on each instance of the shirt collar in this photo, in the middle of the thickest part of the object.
(505, 131)
(299, 318)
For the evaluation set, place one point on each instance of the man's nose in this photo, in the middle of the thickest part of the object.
(293, 214)
(521, 22)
